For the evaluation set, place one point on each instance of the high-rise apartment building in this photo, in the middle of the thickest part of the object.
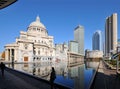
(97, 40)
(111, 34)
(79, 37)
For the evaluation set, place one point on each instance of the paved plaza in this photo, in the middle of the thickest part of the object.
(11, 81)
(106, 78)
(17, 80)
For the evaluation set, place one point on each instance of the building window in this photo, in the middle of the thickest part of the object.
(34, 52)
(34, 29)
(38, 29)
(26, 46)
(39, 52)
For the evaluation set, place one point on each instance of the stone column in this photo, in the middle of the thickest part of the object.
(6, 54)
(15, 54)
(10, 55)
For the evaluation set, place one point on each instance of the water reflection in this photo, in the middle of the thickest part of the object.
(76, 77)
(77, 74)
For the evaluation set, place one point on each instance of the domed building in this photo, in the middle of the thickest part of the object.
(33, 45)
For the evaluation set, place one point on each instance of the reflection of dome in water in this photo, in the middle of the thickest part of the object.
(37, 23)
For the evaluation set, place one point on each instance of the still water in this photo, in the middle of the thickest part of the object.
(75, 77)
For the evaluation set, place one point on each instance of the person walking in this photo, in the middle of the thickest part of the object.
(2, 67)
(52, 77)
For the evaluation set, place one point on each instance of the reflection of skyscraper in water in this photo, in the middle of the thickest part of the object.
(81, 78)
(77, 73)
(79, 37)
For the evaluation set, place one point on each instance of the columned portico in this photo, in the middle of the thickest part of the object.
(10, 54)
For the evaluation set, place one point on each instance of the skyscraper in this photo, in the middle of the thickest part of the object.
(79, 37)
(111, 34)
(97, 40)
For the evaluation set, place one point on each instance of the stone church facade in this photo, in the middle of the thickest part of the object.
(33, 45)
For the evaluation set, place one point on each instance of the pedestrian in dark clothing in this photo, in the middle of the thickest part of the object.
(52, 77)
(2, 66)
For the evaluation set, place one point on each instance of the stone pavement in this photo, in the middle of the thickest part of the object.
(106, 78)
(11, 81)
(17, 80)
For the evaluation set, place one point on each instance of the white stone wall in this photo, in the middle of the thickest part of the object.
(94, 54)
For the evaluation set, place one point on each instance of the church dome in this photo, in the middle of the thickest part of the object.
(37, 23)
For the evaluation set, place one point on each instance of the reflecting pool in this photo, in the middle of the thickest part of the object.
(74, 77)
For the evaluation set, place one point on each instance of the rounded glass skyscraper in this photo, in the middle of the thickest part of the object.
(97, 40)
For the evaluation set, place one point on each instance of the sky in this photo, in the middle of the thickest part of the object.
(60, 18)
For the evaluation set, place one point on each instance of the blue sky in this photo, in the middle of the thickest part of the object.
(59, 16)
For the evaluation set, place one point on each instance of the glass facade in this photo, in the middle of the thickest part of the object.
(97, 40)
